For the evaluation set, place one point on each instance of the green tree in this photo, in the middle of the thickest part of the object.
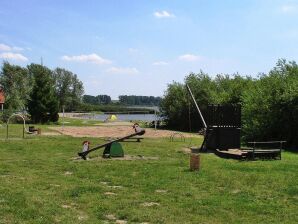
(16, 83)
(89, 99)
(174, 106)
(68, 89)
(229, 89)
(77, 91)
(103, 99)
(270, 107)
(43, 103)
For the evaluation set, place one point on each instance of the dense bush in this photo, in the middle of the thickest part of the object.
(270, 107)
(269, 102)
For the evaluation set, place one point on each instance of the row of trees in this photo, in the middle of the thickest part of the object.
(40, 91)
(139, 100)
(97, 100)
(123, 100)
(269, 102)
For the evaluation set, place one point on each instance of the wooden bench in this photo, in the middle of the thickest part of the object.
(265, 152)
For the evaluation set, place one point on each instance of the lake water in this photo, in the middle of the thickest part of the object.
(123, 117)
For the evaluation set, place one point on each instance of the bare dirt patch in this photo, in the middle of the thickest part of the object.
(161, 191)
(66, 206)
(67, 173)
(110, 193)
(150, 204)
(113, 132)
(111, 217)
(116, 186)
(119, 221)
(51, 133)
(185, 150)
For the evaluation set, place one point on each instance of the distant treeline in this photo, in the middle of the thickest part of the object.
(269, 102)
(97, 100)
(123, 100)
(139, 100)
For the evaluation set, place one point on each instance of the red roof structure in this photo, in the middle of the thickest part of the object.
(2, 96)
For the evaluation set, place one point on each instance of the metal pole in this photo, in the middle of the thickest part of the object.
(24, 126)
(253, 152)
(62, 117)
(6, 131)
(280, 150)
(198, 109)
(155, 122)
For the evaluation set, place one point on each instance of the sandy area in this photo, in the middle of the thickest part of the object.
(113, 132)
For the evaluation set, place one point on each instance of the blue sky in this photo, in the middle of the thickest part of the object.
(138, 47)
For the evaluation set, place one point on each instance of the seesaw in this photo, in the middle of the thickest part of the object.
(112, 148)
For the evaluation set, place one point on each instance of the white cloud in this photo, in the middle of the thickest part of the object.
(289, 8)
(160, 63)
(190, 57)
(93, 58)
(4, 47)
(17, 49)
(13, 56)
(163, 14)
(118, 70)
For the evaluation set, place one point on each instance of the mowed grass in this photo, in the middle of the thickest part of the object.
(40, 182)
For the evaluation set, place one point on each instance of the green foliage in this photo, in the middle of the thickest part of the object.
(177, 106)
(18, 84)
(139, 100)
(15, 81)
(229, 89)
(174, 106)
(97, 100)
(270, 107)
(269, 103)
(43, 103)
(68, 89)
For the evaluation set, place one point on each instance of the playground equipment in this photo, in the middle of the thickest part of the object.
(222, 129)
(112, 148)
(177, 136)
(31, 130)
(24, 123)
(222, 134)
(112, 117)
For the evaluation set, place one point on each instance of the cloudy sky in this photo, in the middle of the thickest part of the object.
(139, 46)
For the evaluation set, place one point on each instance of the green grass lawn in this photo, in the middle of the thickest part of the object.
(41, 183)
(78, 122)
